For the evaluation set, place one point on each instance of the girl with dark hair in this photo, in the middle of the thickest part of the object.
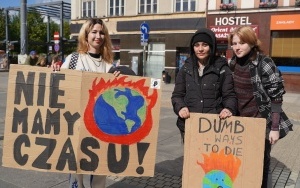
(204, 83)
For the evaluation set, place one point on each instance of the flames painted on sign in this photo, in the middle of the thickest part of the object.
(120, 111)
(220, 169)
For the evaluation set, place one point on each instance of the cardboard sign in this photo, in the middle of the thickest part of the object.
(81, 122)
(223, 153)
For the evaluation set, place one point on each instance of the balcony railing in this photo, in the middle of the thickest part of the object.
(229, 6)
(268, 4)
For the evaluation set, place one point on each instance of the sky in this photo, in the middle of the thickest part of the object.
(17, 3)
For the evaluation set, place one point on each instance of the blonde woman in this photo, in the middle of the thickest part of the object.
(94, 48)
(94, 53)
(42, 61)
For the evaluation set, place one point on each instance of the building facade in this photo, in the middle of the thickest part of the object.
(173, 22)
(277, 24)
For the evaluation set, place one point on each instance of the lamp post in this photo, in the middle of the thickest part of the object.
(206, 10)
(7, 37)
(23, 19)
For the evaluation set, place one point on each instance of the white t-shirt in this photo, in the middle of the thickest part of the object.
(87, 63)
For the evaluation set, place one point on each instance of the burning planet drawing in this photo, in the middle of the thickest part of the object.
(119, 111)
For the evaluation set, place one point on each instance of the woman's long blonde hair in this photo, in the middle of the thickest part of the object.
(105, 48)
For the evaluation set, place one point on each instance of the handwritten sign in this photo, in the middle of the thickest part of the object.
(81, 122)
(223, 153)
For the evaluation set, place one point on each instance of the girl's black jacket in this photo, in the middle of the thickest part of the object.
(208, 94)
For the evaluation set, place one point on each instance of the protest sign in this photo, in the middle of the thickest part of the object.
(81, 122)
(223, 153)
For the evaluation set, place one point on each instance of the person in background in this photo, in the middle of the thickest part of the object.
(259, 88)
(94, 53)
(117, 63)
(204, 83)
(4, 63)
(56, 61)
(31, 59)
(49, 59)
(42, 61)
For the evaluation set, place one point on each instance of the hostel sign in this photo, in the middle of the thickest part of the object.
(224, 25)
(222, 32)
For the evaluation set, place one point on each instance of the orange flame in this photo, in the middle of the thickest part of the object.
(229, 164)
(99, 87)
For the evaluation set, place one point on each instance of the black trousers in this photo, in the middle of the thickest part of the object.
(267, 162)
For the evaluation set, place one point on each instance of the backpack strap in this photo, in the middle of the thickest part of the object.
(73, 62)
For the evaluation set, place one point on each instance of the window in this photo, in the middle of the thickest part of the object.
(268, 3)
(285, 43)
(88, 9)
(155, 63)
(228, 1)
(116, 7)
(228, 5)
(148, 6)
(185, 5)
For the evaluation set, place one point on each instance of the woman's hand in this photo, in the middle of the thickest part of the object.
(184, 113)
(117, 73)
(225, 113)
(55, 67)
(273, 137)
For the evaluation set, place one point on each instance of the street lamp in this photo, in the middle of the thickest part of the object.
(206, 13)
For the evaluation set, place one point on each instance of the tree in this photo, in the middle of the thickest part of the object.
(36, 30)
(14, 25)
(68, 47)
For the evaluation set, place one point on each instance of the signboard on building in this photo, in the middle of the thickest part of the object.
(223, 25)
(285, 22)
(222, 32)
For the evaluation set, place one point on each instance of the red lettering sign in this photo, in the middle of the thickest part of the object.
(222, 32)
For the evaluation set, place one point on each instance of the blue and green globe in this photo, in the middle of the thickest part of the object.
(217, 179)
(120, 111)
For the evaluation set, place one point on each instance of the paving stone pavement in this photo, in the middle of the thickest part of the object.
(285, 163)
